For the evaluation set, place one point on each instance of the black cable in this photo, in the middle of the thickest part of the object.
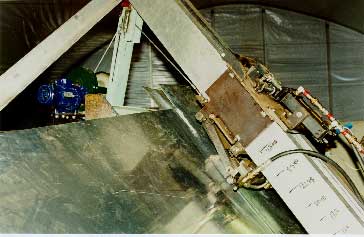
(325, 159)
(356, 153)
(359, 158)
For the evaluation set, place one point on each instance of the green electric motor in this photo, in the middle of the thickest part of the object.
(84, 77)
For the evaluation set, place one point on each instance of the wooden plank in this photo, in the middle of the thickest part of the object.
(96, 106)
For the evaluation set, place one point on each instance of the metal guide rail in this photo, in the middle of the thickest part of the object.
(255, 117)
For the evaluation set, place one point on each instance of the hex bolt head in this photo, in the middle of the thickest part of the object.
(299, 114)
(230, 180)
(264, 114)
(200, 117)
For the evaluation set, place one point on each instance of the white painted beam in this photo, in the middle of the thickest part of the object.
(26, 70)
(128, 33)
(179, 34)
(315, 196)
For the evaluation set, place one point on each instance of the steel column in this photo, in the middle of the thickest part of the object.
(128, 33)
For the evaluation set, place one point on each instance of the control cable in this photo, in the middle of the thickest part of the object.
(325, 159)
(358, 156)
(360, 159)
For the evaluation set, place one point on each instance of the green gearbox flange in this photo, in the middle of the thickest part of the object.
(84, 77)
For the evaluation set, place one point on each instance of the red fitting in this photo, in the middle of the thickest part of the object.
(330, 116)
(125, 3)
(306, 92)
(344, 132)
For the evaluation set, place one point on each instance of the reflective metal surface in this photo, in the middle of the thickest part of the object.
(101, 176)
(258, 211)
(142, 173)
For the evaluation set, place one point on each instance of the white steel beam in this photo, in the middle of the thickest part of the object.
(190, 48)
(316, 197)
(128, 33)
(26, 70)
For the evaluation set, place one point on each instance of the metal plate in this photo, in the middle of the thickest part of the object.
(140, 173)
(100, 176)
(236, 108)
(264, 207)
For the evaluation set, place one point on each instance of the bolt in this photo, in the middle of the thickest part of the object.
(299, 114)
(200, 117)
(223, 54)
(234, 150)
(230, 180)
(231, 75)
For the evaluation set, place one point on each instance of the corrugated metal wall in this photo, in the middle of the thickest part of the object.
(326, 58)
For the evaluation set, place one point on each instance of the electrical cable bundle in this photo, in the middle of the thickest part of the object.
(323, 158)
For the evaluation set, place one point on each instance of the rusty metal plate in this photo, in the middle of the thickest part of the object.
(230, 102)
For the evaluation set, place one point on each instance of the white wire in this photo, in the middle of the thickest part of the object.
(159, 50)
(103, 56)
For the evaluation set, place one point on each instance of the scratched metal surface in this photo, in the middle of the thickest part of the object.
(101, 176)
(261, 211)
(139, 173)
(184, 103)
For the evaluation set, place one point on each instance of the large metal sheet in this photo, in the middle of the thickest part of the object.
(264, 207)
(140, 173)
(101, 176)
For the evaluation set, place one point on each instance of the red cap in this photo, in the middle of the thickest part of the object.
(125, 3)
